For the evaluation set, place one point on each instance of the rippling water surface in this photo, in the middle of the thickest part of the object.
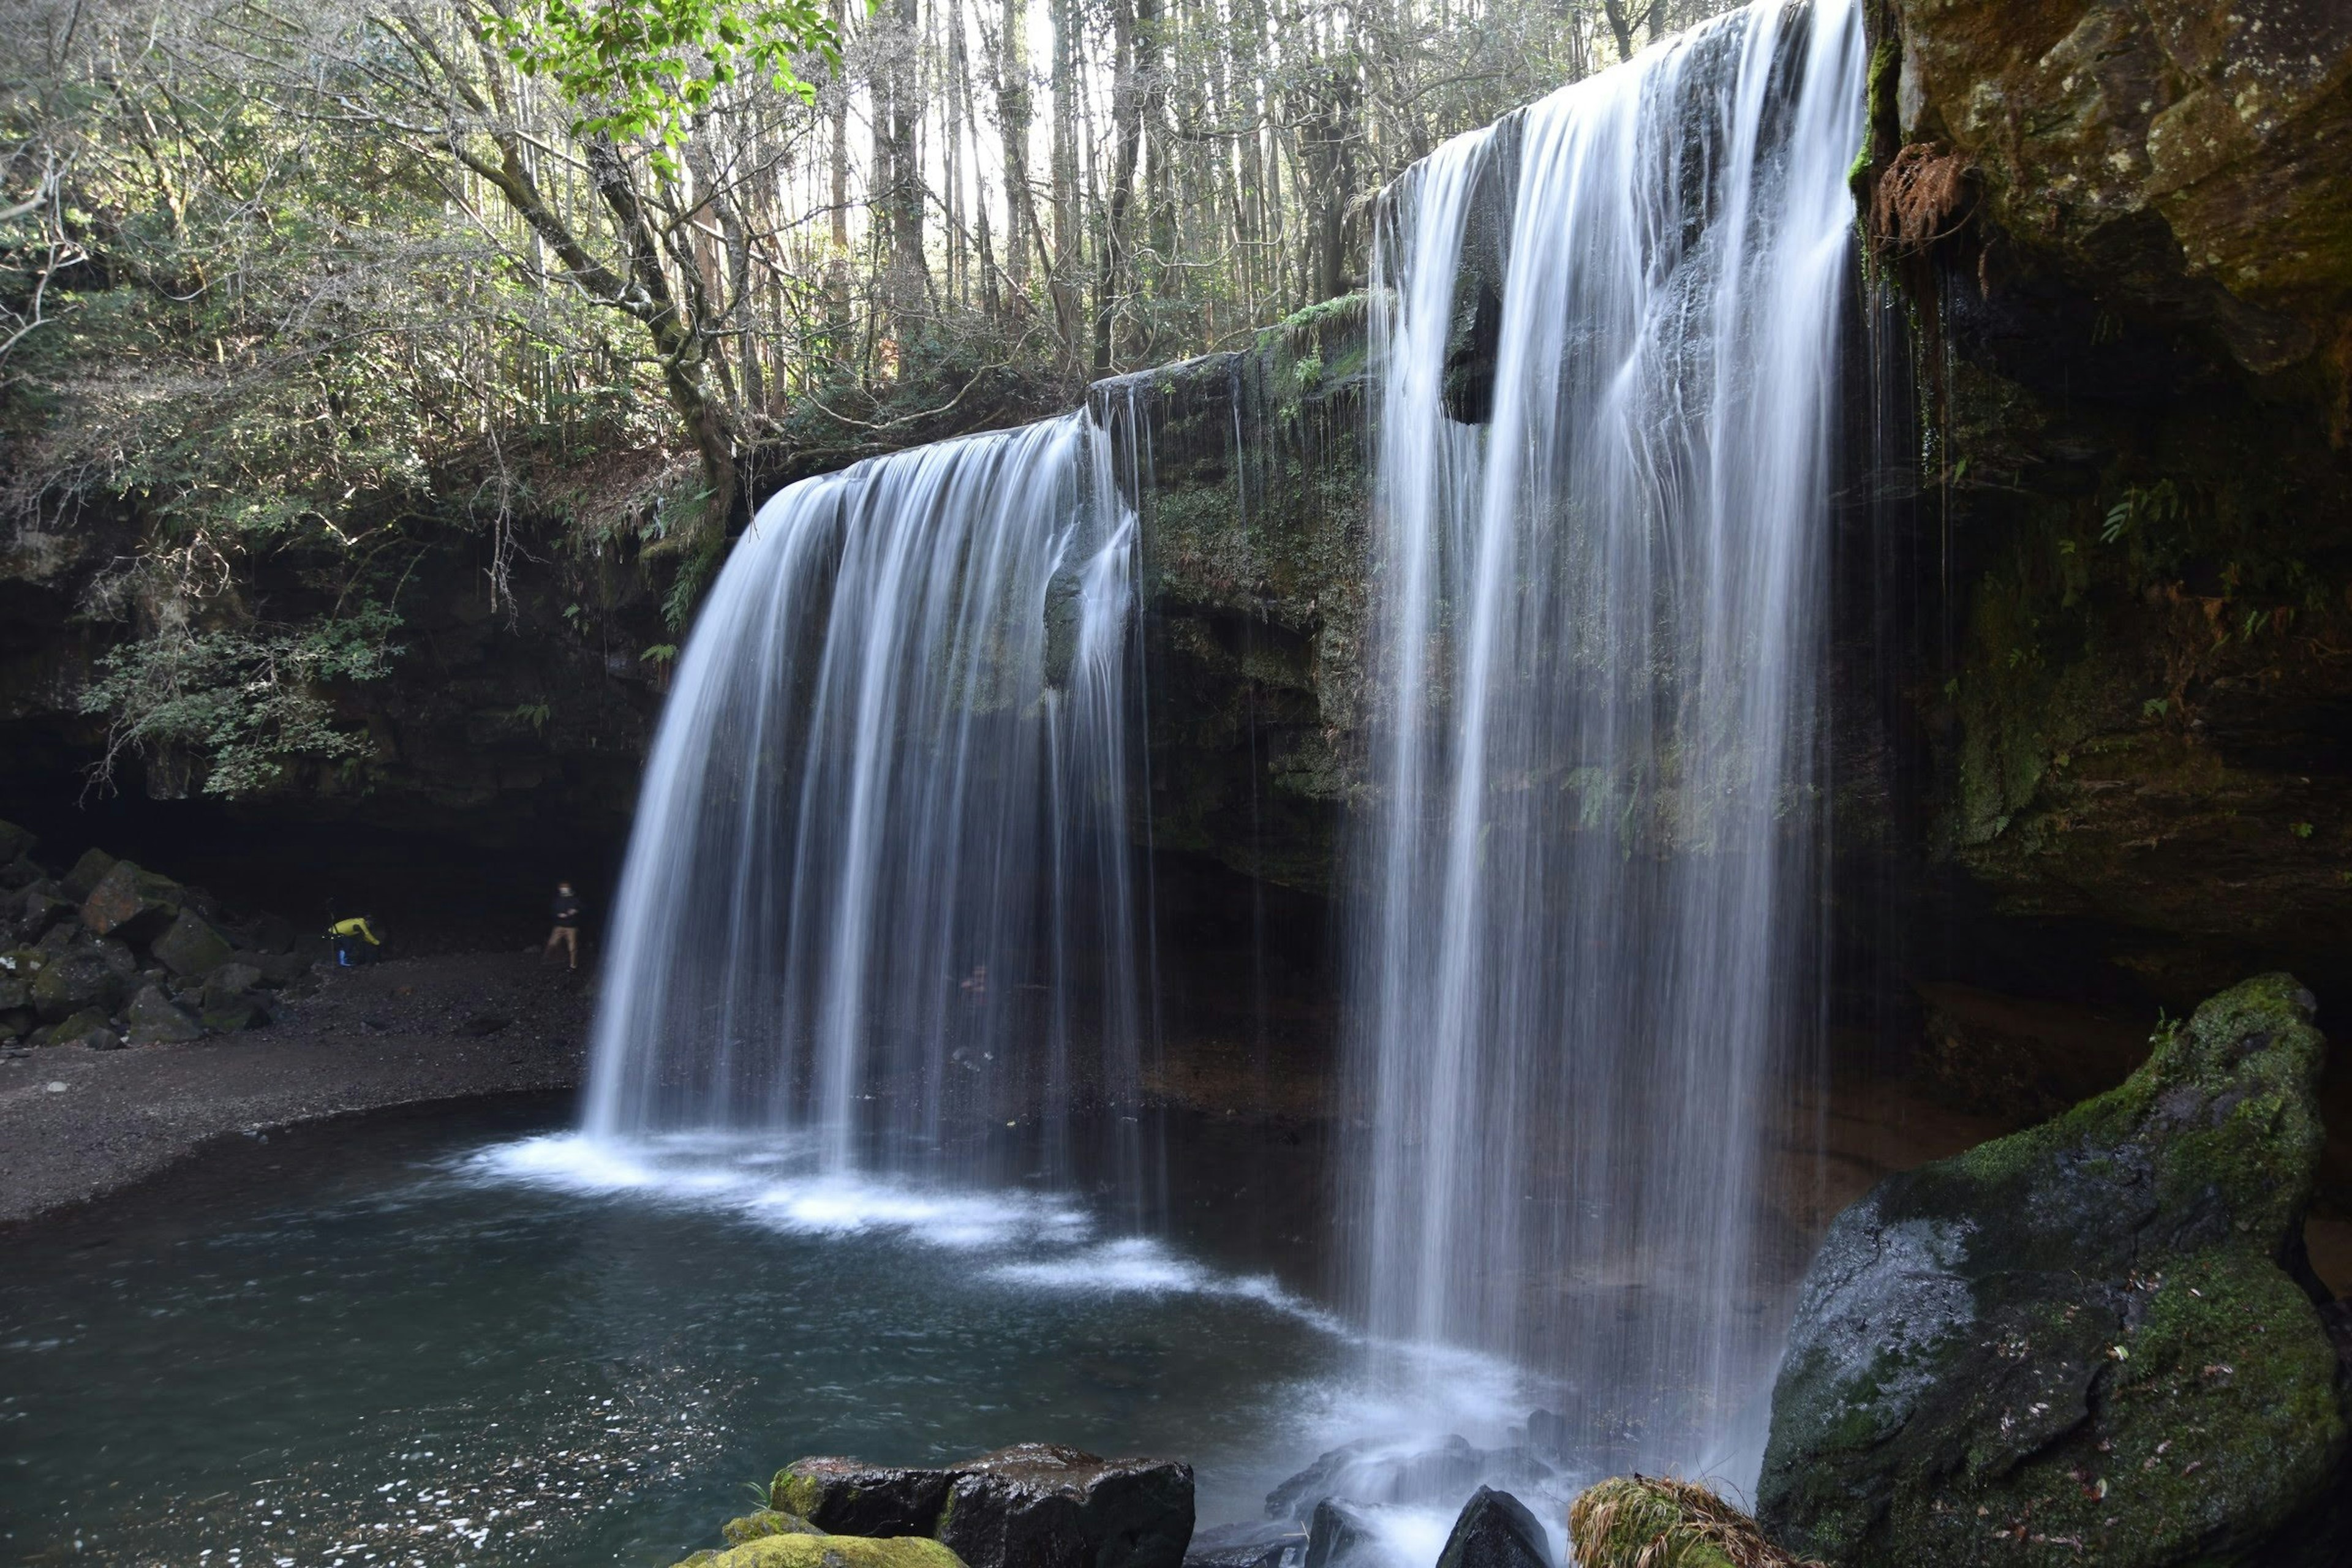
(468, 1338)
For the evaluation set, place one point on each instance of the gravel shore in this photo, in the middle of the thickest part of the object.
(75, 1123)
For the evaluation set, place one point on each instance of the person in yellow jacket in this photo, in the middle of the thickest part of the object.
(349, 935)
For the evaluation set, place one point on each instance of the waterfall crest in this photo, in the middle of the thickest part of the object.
(879, 892)
(1583, 963)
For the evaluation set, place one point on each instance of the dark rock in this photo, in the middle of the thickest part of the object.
(270, 934)
(231, 983)
(849, 1497)
(190, 945)
(75, 981)
(86, 873)
(87, 1028)
(154, 1021)
(1548, 1433)
(278, 970)
(15, 1023)
(1494, 1529)
(1034, 1505)
(132, 904)
(16, 843)
(1337, 1534)
(43, 907)
(2082, 1332)
(19, 873)
(16, 972)
(60, 937)
(1252, 1543)
(1372, 1471)
(235, 1013)
(1053, 1507)
(484, 1024)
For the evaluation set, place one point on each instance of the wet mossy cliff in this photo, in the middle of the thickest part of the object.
(1248, 472)
(2119, 240)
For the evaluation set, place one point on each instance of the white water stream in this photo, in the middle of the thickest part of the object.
(1584, 965)
(879, 892)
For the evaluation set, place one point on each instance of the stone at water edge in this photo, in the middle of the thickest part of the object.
(1337, 1534)
(1034, 1505)
(1372, 1470)
(1494, 1529)
(1648, 1521)
(849, 1497)
(822, 1551)
(2084, 1332)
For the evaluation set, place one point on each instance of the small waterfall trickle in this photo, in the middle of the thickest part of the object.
(878, 900)
(1584, 955)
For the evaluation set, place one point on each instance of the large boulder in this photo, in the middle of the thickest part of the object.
(1034, 1505)
(86, 873)
(1494, 1529)
(191, 945)
(2099, 1334)
(78, 979)
(16, 842)
(154, 1020)
(132, 904)
(1648, 1521)
(1338, 1534)
(87, 1027)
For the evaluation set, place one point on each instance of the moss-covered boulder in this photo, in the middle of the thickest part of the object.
(2097, 1337)
(1649, 1521)
(814, 1549)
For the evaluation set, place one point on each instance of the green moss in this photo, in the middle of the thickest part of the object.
(795, 1494)
(832, 1552)
(766, 1521)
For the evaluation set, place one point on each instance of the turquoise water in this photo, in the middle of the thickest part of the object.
(467, 1337)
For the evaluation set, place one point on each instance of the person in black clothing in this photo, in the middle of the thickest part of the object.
(567, 924)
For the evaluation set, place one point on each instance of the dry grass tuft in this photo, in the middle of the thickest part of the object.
(1650, 1521)
(1922, 197)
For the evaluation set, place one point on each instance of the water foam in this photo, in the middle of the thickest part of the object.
(1050, 1244)
(774, 1183)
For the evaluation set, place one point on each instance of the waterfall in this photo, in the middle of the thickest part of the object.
(1587, 886)
(877, 898)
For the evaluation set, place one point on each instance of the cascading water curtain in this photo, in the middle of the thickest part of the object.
(878, 896)
(1583, 965)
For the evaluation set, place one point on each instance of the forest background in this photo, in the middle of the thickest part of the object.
(287, 286)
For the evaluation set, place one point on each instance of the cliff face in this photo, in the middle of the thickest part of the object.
(1254, 506)
(2134, 307)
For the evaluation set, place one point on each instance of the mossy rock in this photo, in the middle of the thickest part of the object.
(2097, 1337)
(1648, 1521)
(760, 1523)
(816, 1550)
